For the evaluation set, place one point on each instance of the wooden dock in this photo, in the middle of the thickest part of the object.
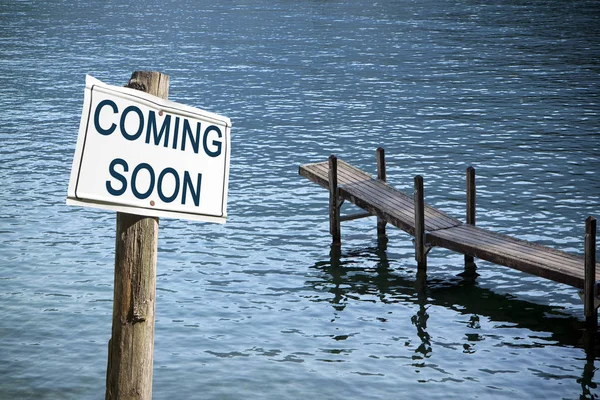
(432, 227)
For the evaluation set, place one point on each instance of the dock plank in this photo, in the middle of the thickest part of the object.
(511, 252)
(377, 197)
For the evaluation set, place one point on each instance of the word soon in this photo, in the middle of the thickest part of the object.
(132, 124)
(184, 184)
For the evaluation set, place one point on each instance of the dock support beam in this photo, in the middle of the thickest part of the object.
(419, 204)
(380, 155)
(471, 190)
(334, 203)
(589, 290)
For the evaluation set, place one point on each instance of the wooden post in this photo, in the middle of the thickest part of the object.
(131, 347)
(334, 202)
(419, 204)
(380, 156)
(469, 260)
(589, 307)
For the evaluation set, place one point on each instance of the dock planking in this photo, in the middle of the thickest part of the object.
(512, 252)
(377, 197)
(395, 207)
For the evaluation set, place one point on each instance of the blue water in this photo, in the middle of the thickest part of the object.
(260, 307)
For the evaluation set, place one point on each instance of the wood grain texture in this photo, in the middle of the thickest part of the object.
(470, 211)
(334, 202)
(381, 175)
(419, 207)
(590, 311)
(131, 347)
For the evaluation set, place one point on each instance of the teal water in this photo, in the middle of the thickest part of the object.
(260, 307)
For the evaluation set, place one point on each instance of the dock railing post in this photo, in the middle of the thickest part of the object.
(589, 306)
(131, 347)
(380, 155)
(419, 205)
(471, 190)
(334, 203)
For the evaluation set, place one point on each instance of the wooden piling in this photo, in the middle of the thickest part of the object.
(131, 347)
(589, 291)
(469, 260)
(419, 205)
(334, 202)
(380, 156)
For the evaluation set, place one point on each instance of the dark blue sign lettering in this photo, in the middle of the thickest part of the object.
(134, 188)
(117, 176)
(101, 130)
(155, 185)
(217, 144)
(140, 123)
(168, 199)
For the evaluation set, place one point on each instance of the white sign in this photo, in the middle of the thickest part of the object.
(144, 155)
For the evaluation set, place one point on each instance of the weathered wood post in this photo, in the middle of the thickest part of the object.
(380, 156)
(471, 190)
(131, 347)
(589, 306)
(334, 203)
(419, 205)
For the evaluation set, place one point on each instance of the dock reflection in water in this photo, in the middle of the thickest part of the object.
(347, 283)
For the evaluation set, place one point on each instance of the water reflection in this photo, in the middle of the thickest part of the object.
(419, 320)
(347, 279)
(586, 381)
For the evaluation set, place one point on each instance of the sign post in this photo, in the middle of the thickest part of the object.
(145, 157)
(131, 347)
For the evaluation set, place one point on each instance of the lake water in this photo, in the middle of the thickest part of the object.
(260, 308)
